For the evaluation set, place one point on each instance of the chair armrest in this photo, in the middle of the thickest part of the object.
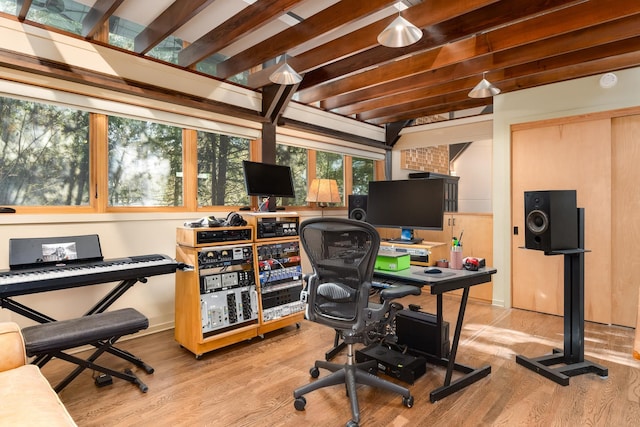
(399, 291)
(12, 352)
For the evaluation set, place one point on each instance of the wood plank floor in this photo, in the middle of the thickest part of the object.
(251, 384)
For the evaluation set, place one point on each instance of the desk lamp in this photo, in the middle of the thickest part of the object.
(323, 191)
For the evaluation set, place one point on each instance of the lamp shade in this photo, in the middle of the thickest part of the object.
(285, 75)
(323, 191)
(484, 89)
(399, 33)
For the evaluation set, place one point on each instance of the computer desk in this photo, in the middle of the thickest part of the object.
(439, 284)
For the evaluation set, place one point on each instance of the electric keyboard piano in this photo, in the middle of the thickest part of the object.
(63, 276)
(53, 263)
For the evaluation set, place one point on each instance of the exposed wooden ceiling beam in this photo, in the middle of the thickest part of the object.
(477, 21)
(422, 15)
(174, 17)
(535, 66)
(415, 101)
(322, 22)
(472, 53)
(275, 99)
(585, 69)
(49, 68)
(97, 16)
(513, 36)
(321, 130)
(248, 20)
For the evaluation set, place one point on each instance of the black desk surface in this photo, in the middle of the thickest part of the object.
(439, 283)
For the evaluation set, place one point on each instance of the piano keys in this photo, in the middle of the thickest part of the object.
(62, 276)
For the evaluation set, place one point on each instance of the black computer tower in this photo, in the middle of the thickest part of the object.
(419, 332)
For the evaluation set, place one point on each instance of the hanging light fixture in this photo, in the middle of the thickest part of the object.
(399, 33)
(285, 75)
(484, 89)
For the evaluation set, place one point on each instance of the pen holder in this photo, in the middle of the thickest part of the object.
(455, 261)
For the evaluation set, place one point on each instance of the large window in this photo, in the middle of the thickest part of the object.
(361, 174)
(145, 163)
(331, 166)
(59, 157)
(296, 159)
(44, 154)
(220, 175)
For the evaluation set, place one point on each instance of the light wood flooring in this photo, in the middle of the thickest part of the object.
(252, 383)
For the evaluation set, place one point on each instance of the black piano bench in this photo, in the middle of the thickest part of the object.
(101, 330)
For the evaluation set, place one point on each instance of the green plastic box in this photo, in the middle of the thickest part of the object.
(392, 261)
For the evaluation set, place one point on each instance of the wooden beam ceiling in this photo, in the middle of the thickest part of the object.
(521, 44)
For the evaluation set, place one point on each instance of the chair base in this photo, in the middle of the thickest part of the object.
(351, 375)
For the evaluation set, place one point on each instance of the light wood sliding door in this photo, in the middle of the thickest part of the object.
(563, 155)
(625, 209)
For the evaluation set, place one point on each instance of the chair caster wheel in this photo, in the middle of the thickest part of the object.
(314, 372)
(300, 403)
(407, 401)
(352, 423)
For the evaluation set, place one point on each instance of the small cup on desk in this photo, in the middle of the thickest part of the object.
(455, 261)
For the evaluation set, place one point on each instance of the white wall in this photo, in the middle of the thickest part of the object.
(580, 96)
(473, 167)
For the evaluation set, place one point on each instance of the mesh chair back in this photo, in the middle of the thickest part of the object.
(342, 253)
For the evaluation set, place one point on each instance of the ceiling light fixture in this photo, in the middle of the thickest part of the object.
(285, 75)
(399, 33)
(484, 89)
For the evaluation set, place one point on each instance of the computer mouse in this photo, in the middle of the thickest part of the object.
(432, 270)
(4, 209)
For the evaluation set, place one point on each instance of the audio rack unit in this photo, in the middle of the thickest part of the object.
(280, 278)
(274, 225)
(228, 295)
(241, 285)
(198, 237)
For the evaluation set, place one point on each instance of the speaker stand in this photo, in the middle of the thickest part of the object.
(572, 359)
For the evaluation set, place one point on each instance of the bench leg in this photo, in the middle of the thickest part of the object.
(83, 364)
(123, 354)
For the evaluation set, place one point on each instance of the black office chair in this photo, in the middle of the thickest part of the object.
(342, 253)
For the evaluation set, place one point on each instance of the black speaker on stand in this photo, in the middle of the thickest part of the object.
(550, 220)
(358, 207)
(569, 361)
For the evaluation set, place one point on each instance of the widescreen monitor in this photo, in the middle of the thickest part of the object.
(267, 180)
(406, 204)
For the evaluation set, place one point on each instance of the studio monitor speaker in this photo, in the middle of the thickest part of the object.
(358, 207)
(551, 220)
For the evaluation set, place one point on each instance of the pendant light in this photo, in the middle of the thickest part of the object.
(285, 75)
(399, 33)
(484, 89)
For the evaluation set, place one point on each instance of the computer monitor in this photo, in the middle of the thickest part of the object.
(408, 205)
(267, 180)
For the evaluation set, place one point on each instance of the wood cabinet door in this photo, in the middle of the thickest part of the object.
(573, 155)
(625, 205)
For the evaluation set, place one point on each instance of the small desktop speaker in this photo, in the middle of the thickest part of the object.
(551, 220)
(358, 207)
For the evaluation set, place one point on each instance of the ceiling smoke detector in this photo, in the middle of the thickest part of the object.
(608, 80)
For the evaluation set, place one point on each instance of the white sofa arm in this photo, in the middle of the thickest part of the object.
(12, 353)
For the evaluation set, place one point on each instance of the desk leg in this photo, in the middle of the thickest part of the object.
(471, 375)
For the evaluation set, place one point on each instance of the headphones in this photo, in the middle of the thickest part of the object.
(234, 219)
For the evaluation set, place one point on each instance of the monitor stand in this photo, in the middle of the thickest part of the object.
(407, 238)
